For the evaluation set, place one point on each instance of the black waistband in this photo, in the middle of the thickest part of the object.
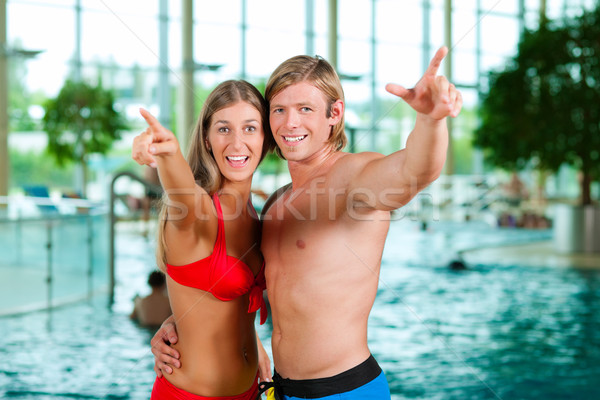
(341, 383)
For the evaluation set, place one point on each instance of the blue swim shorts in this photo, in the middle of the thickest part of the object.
(365, 381)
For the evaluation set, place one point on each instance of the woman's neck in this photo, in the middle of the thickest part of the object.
(235, 195)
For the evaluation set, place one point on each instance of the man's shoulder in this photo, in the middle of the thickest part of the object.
(350, 163)
(357, 158)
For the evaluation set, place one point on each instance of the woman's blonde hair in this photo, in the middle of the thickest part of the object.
(201, 160)
(318, 72)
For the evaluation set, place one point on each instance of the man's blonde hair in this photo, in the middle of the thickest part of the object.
(319, 73)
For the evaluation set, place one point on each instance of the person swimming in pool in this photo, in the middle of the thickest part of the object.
(152, 310)
(323, 234)
(209, 244)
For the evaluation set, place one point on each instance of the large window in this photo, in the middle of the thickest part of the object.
(379, 41)
(47, 26)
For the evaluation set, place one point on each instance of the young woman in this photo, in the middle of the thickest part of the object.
(209, 243)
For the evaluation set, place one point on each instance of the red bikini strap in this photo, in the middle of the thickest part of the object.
(221, 225)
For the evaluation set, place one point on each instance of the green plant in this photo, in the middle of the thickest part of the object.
(81, 120)
(272, 165)
(543, 108)
(32, 168)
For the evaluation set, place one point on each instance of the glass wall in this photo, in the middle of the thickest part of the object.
(52, 260)
(379, 41)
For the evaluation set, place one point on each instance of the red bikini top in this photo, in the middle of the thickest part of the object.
(223, 276)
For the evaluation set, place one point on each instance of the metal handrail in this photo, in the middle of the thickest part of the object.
(155, 189)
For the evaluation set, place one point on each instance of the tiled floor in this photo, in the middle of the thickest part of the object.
(539, 254)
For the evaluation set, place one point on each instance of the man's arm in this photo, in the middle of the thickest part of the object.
(388, 182)
(264, 363)
(165, 357)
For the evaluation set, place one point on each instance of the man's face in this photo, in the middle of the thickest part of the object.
(298, 118)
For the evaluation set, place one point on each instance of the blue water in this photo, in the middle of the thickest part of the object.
(490, 332)
(493, 331)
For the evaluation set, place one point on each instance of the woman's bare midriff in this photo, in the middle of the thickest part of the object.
(216, 343)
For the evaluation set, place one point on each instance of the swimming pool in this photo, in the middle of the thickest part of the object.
(492, 331)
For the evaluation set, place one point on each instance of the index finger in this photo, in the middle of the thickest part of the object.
(153, 122)
(434, 65)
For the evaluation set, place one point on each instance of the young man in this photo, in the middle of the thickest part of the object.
(152, 310)
(323, 234)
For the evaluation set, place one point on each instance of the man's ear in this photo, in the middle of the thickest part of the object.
(336, 112)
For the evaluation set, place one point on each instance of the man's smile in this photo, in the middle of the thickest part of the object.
(294, 139)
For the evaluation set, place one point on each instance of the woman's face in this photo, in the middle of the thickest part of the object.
(236, 138)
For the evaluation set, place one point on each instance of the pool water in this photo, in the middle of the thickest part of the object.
(490, 332)
(77, 352)
(85, 351)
